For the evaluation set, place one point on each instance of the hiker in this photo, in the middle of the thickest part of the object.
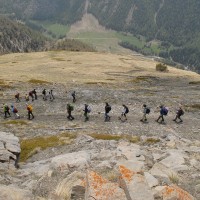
(107, 110)
(30, 111)
(179, 113)
(15, 112)
(146, 111)
(51, 96)
(74, 96)
(163, 111)
(44, 95)
(31, 95)
(35, 94)
(6, 110)
(70, 108)
(124, 112)
(17, 97)
(27, 97)
(86, 110)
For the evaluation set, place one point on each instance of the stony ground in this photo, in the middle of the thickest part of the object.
(131, 86)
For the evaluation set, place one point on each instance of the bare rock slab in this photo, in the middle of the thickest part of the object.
(79, 159)
(134, 185)
(10, 193)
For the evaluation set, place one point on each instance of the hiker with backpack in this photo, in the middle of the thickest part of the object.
(17, 97)
(44, 93)
(70, 108)
(15, 112)
(179, 113)
(30, 111)
(6, 111)
(74, 96)
(86, 110)
(124, 112)
(51, 96)
(163, 111)
(31, 95)
(35, 94)
(107, 110)
(146, 111)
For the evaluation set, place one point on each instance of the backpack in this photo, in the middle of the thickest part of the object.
(148, 110)
(29, 108)
(127, 110)
(108, 108)
(165, 111)
(89, 109)
(7, 108)
(15, 110)
(181, 112)
(70, 107)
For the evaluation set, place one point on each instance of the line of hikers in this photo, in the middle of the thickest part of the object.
(87, 109)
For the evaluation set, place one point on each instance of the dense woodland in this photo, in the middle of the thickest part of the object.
(176, 23)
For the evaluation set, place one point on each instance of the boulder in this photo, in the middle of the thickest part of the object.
(99, 188)
(134, 185)
(151, 180)
(80, 159)
(9, 149)
(11, 192)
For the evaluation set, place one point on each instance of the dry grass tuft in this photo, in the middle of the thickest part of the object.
(105, 136)
(29, 147)
(15, 122)
(192, 107)
(194, 83)
(161, 67)
(58, 59)
(174, 178)
(36, 81)
(152, 140)
(134, 139)
(111, 175)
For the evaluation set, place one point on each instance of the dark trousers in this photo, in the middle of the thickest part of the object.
(30, 114)
(178, 117)
(160, 117)
(70, 117)
(5, 113)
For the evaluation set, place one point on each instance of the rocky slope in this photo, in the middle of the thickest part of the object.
(95, 159)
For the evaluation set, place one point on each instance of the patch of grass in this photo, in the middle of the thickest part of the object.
(174, 178)
(140, 79)
(4, 85)
(152, 140)
(105, 136)
(161, 67)
(193, 106)
(95, 83)
(111, 175)
(29, 147)
(36, 81)
(15, 122)
(58, 59)
(134, 139)
(194, 83)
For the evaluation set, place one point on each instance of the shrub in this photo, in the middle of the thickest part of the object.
(161, 67)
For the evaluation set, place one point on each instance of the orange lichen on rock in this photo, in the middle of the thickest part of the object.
(101, 188)
(126, 173)
(178, 192)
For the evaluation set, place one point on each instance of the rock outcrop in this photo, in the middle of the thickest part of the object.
(9, 150)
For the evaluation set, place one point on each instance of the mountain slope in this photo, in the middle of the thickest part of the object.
(15, 37)
(174, 23)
